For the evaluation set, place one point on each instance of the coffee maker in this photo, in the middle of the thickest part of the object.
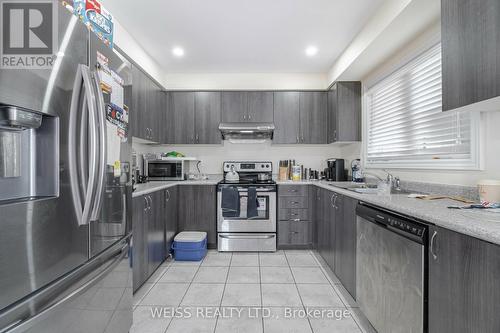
(335, 170)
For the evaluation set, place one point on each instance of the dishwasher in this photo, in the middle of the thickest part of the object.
(391, 263)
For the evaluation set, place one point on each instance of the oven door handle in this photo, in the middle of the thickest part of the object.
(247, 236)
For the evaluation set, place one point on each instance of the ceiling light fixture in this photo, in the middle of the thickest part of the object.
(311, 51)
(178, 51)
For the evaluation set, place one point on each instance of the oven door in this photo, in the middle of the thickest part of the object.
(265, 221)
(164, 170)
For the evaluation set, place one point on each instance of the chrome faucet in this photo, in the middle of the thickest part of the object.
(394, 182)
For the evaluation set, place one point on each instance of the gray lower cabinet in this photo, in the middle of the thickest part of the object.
(197, 210)
(313, 125)
(295, 227)
(148, 236)
(170, 216)
(470, 51)
(344, 112)
(286, 117)
(464, 283)
(345, 242)
(325, 227)
(140, 258)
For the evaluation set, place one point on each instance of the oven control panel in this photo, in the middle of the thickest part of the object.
(248, 166)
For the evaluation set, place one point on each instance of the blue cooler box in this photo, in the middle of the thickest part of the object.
(190, 246)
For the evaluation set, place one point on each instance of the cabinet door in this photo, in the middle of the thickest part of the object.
(470, 51)
(197, 210)
(138, 114)
(207, 117)
(206, 212)
(170, 216)
(332, 114)
(464, 283)
(155, 112)
(140, 255)
(260, 106)
(348, 112)
(180, 122)
(296, 233)
(345, 243)
(234, 106)
(286, 117)
(156, 233)
(313, 117)
(329, 216)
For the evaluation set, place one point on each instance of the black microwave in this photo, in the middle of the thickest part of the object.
(158, 169)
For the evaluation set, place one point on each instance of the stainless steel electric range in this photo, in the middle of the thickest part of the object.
(246, 207)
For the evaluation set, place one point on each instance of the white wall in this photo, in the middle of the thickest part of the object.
(131, 47)
(490, 123)
(311, 156)
(246, 81)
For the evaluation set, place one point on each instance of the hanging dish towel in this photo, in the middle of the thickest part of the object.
(252, 203)
(230, 202)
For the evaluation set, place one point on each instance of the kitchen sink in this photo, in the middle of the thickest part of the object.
(365, 188)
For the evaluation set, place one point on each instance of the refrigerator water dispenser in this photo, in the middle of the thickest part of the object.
(29, 154)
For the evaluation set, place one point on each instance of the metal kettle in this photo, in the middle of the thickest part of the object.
(232, 176)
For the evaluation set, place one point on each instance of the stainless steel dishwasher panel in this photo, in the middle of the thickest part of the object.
(390, 279)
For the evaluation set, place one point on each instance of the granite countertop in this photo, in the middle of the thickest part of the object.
(154, 186)
(477, 223)
(480, 224)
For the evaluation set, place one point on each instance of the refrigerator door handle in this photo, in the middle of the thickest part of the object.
(102, 153)
(82, 83)
(26, 323)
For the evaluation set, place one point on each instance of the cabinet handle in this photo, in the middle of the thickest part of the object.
(249, 117)
(335, 135)
(292, 190)
(244, 117)
(197, 138)
(294, 220)
(294, 202)
(302, 138)
(294, 214)
(333, 201)
(168, 195)
(298, 139)
(146, 203)
(432, 245)
(293, 232)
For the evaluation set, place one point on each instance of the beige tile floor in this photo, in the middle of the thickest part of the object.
(247, 293)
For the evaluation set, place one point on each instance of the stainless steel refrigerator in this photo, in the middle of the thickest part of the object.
(65, 189)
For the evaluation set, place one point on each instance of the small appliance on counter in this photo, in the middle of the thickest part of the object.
(165, 167)
(335, 170)
(357, 173)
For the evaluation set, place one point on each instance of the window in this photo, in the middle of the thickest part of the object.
(405, 125)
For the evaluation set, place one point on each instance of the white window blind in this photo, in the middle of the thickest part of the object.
(406, 126)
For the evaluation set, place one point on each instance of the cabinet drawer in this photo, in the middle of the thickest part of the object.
(293, 190)
(293, 202)
(286, 214)
(294, 233)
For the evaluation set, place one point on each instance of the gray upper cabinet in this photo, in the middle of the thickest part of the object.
(207, 117)
(344, 112)
(464, 284)
(300, 117)
(313, 124)
(247, 106)
(470, 51)
(286, 117)
(260, 106)
(234, 106)
(180, 118)
(147, 102)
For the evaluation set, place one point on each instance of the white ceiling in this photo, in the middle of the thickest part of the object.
(243, 36)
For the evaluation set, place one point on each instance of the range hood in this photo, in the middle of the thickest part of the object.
(244, 132)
